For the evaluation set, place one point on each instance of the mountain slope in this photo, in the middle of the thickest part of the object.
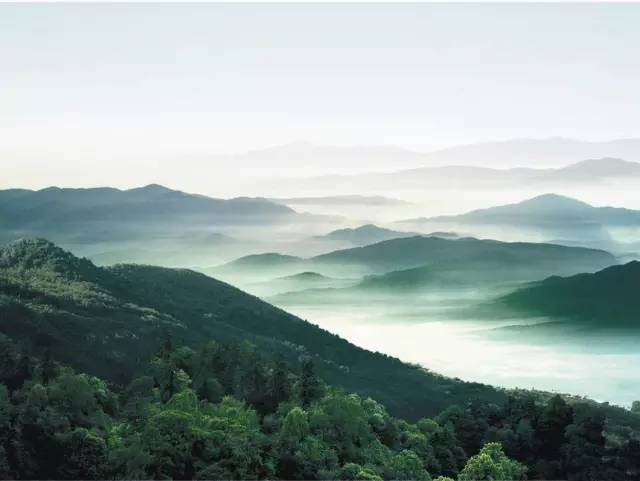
(108, 321)
(608, 298)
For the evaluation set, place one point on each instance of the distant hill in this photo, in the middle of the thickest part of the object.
(606, 299)
(364, 235)
(108, 321)
(405, 253)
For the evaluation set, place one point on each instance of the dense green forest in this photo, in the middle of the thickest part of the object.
(226, 412)
(137, 372)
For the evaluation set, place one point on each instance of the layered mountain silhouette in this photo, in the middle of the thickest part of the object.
(306, 158)
(457, 260)
(109, 321)
(476, 175)
(543, 210)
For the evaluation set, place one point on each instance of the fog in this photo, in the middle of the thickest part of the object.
(478, 350)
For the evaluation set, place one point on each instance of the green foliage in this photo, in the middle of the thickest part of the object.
(493, 465)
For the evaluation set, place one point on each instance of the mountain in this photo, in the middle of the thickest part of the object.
(308, 159)
(405, 253)
(478, 175)
(99, 214)
(606, 299)
(547, 209)
(151, 224)
(363, 235)
(458, 261)
(108, 321)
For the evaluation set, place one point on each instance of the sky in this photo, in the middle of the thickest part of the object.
(89, 89)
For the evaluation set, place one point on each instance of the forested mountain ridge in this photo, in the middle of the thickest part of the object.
(232, 410)
(108, 321)
(605, 299)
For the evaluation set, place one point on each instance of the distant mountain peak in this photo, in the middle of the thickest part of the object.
(156, 188)
(553, 200)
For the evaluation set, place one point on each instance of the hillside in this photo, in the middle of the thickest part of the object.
(608, 298)
(108, 321)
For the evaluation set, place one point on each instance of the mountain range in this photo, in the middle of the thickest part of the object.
(549, 218)
(108, 213)
(478, 176)
(307, 158)
(466, 260)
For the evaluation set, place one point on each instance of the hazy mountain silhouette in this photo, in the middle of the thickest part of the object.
(476, 175)
(543, 210)
(306, 158)
(461, 260)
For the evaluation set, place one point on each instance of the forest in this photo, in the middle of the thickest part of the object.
(226, 412)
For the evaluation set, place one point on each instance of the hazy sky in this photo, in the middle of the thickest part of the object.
(85, 85)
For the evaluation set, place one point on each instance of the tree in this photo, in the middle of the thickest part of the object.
(406, 465)
(553, 421)
(585, 446)
(294, 428)
(310, 387)
(492, 464)
(279, 384)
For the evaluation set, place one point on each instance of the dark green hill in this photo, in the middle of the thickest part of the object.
(398, 254)
(108, 321)
(608, 298)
